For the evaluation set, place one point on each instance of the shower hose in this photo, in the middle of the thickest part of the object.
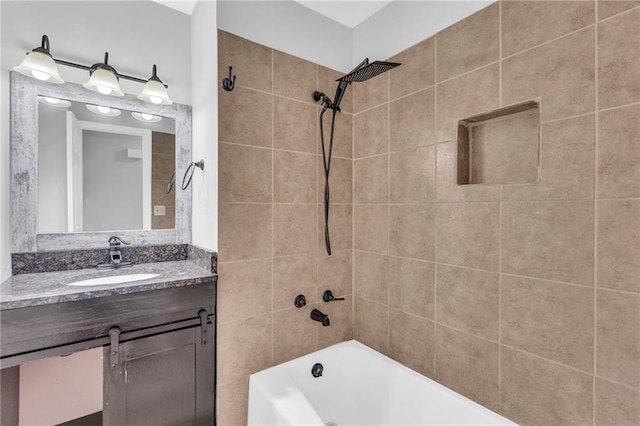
(326, 160)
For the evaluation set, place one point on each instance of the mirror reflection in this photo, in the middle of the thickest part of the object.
(103, 169)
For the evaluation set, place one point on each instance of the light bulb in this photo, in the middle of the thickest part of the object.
(147, 116)
(104, 90)
(155, 99)
(52, 101)
(104, 109)
(40, 75)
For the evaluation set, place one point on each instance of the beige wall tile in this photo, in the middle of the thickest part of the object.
(371, 324)
(528, 23)
(566, 163)
(246, 348)
(371, 132)
(240, 105)
(233, 399)
(341, 328)
(417, 71)
(159, 193)
(244, 174)
(413, 120)
(549, 319)
(412, 286)
(294, 77)
(340, 227)
(619, 153)
(342, 135)
(295, 125)
(619, 245)
(551, 240)
(475, 41)
(371, 276)
(412, 341)
(244, 231)
(618, 67)
(295, 177)
(607, 8)
(413, 176)
(371, 228)
(465, 96)
(294, 333)
(447, 187)
(251, 62)
(468, 300)
(371, 180)
(534, 391)
(467, 365)
(561, 72)
(244, 284)
(616, 405)
(335, 272)
(467, 235)
(294, 229)
(370, 93)
(327, 84)
(505, 150)
(293, 275)
(618, 337)
(340, 180)
(412, 231)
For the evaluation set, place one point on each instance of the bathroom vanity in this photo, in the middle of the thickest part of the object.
(158, 335)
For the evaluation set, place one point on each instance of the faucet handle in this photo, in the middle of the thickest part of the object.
(328, 296)
(117, 240)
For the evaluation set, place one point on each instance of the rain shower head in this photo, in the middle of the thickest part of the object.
(368, 71)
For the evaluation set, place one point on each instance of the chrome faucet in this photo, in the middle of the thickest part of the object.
(115, 255)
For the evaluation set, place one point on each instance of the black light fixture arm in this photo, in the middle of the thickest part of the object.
(87, 68)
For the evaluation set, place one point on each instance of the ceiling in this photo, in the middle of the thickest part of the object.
(346, 12)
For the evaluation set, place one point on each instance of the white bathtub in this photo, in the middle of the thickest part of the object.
(359, 386)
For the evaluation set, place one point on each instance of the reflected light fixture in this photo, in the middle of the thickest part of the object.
(154, 90)
(148, 118)
(103, 110)
(40, 64)
(104, 79)
(54, 102)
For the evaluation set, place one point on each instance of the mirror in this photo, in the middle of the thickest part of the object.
(78, 177)
(103, 169)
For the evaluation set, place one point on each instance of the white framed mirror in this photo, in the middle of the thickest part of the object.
(85, 166)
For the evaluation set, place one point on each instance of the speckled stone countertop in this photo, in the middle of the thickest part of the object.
(20, 291)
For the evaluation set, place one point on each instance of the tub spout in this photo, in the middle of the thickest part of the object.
(316, 315)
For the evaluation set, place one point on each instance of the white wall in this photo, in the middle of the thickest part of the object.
(204, 100)
(5, 232)
(401, 24)
(291, 28)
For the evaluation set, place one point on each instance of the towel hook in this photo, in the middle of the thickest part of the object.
(227, 83)
(189, 172)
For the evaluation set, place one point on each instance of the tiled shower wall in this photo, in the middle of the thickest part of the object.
(271, 245)
(523, 297)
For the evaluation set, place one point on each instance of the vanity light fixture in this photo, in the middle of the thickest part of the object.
(147, 118)
(54, 102)
(103, 110)
(154, 90)
(40, 64)
(104, 78)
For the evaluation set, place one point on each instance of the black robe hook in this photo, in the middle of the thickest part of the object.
(227, 83)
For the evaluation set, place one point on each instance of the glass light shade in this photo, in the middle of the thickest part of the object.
(155, 93)
(147, 118)
(104, 82)
(54, 102)
(103, 110)
(41, 66)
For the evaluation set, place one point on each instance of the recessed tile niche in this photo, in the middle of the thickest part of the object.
(500, 147)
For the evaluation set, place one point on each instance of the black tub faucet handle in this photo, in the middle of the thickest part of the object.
(328, 296)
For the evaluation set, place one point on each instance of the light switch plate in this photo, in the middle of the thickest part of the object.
(158, 210)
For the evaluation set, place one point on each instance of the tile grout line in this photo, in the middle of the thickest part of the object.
(595, 219)
(273, 178)
(435, 170)
(388, 103)
(500, 102)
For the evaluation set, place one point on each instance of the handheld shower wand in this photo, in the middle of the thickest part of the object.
(364, 71)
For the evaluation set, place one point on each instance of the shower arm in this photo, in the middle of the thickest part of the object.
(327, 103)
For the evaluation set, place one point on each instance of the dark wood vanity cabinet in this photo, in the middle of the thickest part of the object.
(159, 350)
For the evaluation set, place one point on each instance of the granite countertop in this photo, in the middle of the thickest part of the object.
(20, 291)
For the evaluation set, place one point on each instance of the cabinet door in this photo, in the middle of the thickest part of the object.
(165, 379)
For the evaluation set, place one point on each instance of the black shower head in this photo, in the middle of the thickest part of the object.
(368, 71)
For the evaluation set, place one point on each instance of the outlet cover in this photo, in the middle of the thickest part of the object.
(158, 210)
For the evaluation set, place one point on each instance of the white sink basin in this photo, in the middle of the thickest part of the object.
(114, 279)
